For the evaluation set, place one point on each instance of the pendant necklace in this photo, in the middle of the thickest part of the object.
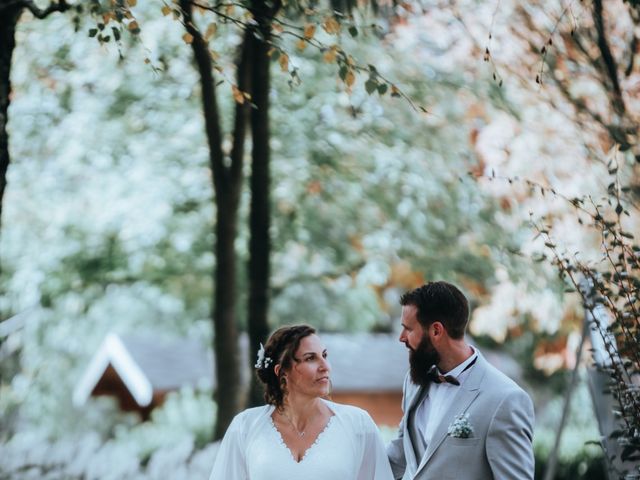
(298, 432)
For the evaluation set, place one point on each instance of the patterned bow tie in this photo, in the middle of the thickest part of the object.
(436, 377)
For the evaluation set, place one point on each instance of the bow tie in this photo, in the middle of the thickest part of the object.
(436, 377)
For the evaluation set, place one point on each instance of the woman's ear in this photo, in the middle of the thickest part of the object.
(276, 369)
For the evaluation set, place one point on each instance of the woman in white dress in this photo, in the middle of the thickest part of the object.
(299, 435)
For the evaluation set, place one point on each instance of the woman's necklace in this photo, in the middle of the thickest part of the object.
(300, 433)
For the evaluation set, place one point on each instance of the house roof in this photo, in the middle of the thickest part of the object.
(365, 362)
(360, 362)
(146, 365)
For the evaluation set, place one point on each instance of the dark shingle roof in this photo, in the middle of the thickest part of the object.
(366, 362)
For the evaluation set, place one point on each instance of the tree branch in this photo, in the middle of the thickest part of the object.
(59, 6)
(607, 57)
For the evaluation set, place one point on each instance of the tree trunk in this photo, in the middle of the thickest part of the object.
(259, 222)
(8, 21)
(226, 182)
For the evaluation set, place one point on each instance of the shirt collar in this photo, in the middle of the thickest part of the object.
(460, 368)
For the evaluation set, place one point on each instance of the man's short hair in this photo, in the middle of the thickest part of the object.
(440, 302)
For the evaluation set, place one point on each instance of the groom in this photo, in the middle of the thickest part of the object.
(463, 419)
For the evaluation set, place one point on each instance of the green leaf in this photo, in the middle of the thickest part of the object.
(353, 31)
(382, 88)
(370, 86)
(93, 32)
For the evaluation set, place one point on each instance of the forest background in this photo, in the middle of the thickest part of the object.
(453, 141)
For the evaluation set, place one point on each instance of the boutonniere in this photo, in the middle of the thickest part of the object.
(461, 427)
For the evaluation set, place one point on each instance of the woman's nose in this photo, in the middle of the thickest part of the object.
(325, 365)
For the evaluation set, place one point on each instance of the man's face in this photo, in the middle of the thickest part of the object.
(422, 353)
(412, 332)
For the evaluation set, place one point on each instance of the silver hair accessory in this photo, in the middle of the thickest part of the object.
(262, 361)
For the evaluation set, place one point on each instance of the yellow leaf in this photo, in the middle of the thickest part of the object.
(106, 17)
(133, 25)
(187, 37)
(331, 25)
(284, 62)
(166, 10)
(330, 55)
(350, 78)
(301, 44)
(276, 27)
(229, 10)
(395, 92)
(309, 31)
(211, 31)
(132, 3)
(237, 94)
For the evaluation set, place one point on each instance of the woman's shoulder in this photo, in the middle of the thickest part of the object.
(248, 417)
(350, 412)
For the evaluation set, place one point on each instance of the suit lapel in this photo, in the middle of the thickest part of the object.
(409, 451)
(465, 395)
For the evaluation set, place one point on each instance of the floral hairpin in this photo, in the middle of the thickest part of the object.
(262, 361)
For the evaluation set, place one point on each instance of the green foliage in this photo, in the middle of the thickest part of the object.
(580, 454)
(185, 416)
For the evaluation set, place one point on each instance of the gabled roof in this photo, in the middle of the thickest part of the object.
(360, 363)
(146, 365)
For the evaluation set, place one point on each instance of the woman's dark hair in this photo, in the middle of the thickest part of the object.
(280, 349)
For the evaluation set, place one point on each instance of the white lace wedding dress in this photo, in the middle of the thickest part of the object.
(349, 448)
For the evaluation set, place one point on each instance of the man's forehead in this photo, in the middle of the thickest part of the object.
(409, 312)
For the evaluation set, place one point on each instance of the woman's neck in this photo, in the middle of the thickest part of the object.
(301, 409)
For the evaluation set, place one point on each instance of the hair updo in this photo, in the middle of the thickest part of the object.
(281, 348)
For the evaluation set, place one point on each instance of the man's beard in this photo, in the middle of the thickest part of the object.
(421, 360)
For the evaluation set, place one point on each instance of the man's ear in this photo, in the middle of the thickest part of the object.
(437, 329)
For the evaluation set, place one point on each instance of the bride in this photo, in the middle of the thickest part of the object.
(299, 435)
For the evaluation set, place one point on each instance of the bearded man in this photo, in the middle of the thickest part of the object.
(463, 419)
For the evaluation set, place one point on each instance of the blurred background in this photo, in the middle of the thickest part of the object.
(478, 143)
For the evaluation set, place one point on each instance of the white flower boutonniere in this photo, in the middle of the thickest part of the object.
(460, 427)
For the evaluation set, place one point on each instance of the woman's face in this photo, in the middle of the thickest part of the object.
(309, 375)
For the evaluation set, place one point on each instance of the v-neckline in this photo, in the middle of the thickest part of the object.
(309, 448)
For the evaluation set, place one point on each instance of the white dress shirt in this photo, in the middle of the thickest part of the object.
(437, 401)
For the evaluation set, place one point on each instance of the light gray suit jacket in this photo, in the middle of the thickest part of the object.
(501, 414)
